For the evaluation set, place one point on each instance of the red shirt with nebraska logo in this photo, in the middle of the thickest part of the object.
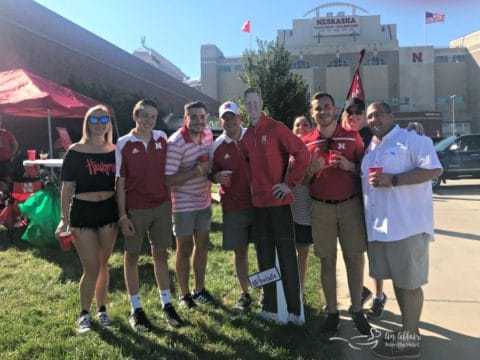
(333, 183)
(267, 147)
(227, 156)
(142, 165)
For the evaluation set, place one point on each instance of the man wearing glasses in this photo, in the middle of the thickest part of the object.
(145, 208)
(336, 207)
(396, 179)
(188, 165)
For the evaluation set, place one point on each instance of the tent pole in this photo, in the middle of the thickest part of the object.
(50, 143)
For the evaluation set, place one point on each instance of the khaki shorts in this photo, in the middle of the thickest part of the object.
(237, 229)
(404, 261)
(344, 221)
(188, 222)
(155, 223)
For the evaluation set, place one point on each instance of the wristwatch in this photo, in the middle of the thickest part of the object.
(394, 180)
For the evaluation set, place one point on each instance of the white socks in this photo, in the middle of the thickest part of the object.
(135, 302)
(165, 296)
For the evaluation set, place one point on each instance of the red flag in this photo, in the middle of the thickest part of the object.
(431, 18)
(356, 88)
(246, 26)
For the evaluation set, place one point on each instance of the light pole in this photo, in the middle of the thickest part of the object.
(453, 113)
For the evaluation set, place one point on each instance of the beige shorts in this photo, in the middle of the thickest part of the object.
(404, 261)
(344, 221)
(154, 223)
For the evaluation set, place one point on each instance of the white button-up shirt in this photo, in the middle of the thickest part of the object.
(396, 213)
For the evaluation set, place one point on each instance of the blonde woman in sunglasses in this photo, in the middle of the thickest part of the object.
(89, 210)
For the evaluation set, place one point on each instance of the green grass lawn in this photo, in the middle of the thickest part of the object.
(39, 292)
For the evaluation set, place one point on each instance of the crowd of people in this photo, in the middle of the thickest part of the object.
(355, 180)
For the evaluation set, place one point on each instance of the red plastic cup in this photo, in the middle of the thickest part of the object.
(203, 158)
(31, 154)
(66, 239)
(227, 173)
(331, 155)
(375, 170)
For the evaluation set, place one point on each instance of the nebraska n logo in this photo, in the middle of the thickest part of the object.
(264, 139)
(341, 146)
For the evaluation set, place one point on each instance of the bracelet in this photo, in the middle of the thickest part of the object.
(122, 217)
(309, 172)
(199, 168)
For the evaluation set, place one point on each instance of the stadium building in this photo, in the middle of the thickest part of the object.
(435, 86)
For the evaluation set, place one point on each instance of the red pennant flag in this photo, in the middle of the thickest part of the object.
(246, 26)
(356, 90)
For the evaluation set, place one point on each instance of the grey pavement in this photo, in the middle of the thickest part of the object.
(450, 322)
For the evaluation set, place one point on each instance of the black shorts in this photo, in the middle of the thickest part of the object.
(303, 234)
(93, 214)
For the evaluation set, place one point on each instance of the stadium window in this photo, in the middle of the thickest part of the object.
(458, 58)
(442, 100)
(225, 68)
(338, 62)
(375, 60)
(441, 59)
(300, 64)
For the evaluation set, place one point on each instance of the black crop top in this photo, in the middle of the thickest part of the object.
(90, 172)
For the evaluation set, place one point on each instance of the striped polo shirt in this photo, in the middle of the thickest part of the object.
(182, 155)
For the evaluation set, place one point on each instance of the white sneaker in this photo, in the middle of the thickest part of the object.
(270, 317)
(83, 324)
(295, 319)
(103, 319)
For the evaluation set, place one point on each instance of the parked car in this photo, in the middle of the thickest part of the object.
(460, 158)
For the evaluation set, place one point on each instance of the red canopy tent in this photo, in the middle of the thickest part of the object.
(24, 94)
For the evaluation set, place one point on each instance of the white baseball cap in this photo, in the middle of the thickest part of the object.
(228, 107)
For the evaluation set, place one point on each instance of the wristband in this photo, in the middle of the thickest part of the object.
(309, 172)
(122, 217)
(199, 168)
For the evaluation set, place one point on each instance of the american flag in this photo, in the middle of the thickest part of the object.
(431, 18)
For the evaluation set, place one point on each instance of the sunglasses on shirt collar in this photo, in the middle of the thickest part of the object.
(329, 144)
(95, 119)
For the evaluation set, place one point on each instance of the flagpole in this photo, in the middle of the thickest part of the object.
(424, 29)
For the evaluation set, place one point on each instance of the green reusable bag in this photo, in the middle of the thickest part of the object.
(43, 211)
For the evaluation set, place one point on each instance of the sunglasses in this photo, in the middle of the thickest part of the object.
(355, 112)
(95, 119)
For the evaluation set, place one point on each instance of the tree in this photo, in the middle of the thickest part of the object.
(285, 95)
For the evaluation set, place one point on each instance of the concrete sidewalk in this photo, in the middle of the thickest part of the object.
(450, 322)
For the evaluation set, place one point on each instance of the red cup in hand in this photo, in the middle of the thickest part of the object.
(66, 239)
(203, 158)
(228, 174)
(331, 156)
(375, 170)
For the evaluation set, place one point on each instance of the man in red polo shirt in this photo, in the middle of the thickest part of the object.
(144, 208)
(186, 172)
(267, 146)
(337, 210)
(234, 194)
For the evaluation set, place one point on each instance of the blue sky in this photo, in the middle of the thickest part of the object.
(178, 28)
